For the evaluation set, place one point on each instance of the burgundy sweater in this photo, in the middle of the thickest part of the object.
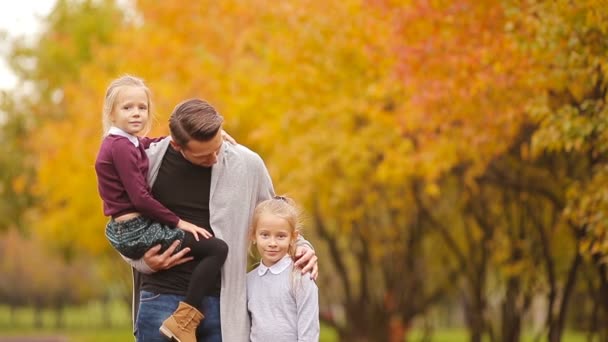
(121, 178)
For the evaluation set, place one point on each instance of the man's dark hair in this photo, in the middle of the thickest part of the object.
(194, 119)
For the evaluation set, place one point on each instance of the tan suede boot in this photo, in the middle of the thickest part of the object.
(181, 325)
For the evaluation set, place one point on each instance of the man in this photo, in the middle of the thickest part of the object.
(215, 185)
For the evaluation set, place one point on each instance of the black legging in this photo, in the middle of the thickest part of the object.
(211, 254)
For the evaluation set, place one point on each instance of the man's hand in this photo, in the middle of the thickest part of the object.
(227, 137)
(307, 260)
(167, 259)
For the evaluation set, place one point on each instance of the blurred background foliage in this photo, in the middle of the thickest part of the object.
(450, 155)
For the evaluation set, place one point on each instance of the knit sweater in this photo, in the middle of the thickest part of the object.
(121, 168)
(239, 181)
(283, 304)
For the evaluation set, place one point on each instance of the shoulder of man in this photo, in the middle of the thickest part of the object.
(242, 152)
(157, 149)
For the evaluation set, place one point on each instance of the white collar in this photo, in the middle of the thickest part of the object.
(277, 268)
(117, 131)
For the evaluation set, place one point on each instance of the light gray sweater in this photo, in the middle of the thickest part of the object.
(239, 181)
(283, 304)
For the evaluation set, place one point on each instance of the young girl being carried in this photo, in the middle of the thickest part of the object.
(283, 304)
(138, 221)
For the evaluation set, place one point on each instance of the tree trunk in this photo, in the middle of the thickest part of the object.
(361, 335)
(555, 333)
(38, 321)
(511, 314)
(474, 315)
(13, 315)
(397, 330)
(594, 325)
(603, 298)
(557, 322)
(59, 317)
(476, 335)
(364, 330)
(106, 313)
(602, 312)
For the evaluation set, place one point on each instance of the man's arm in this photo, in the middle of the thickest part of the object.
(306, 258)
(138, 264)
(154, 261)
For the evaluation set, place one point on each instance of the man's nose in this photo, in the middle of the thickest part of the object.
(213, 158)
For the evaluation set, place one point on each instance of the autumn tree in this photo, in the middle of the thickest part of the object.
(34, 275)
(571, 115)
(44, 65)
(376, 116)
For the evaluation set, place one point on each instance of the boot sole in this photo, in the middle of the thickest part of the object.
(168, 334)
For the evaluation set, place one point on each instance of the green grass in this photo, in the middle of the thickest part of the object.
(461, 335)
(83, 317)
(90, 335)
(104, 335)
(124, 334)
(81, 324)
(84, 324)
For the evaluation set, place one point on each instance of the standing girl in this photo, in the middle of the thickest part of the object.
(138, 221)
(283, 305)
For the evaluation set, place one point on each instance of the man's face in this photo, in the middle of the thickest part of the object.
(201, 153)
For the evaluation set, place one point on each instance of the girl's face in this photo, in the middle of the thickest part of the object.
(130, 112)
(273, 235)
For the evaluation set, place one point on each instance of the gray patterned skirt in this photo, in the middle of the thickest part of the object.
(132, 238)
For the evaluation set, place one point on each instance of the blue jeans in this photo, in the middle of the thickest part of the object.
(155, 308)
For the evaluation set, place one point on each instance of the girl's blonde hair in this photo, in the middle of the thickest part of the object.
(283, 207)
(110, 100)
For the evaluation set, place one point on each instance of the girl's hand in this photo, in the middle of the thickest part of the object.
(194, 229)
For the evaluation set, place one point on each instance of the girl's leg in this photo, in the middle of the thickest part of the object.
(211, 254)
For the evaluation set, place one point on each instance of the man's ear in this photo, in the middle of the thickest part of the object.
(175, 145)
